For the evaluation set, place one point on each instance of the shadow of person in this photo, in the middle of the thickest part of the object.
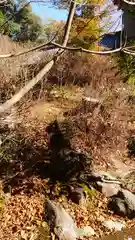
(66, 163)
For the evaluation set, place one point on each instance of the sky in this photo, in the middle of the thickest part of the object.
(112, 24)
(48, 11)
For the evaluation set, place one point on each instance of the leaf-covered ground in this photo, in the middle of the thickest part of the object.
(22, 215)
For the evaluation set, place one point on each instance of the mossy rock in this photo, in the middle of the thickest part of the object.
(90, 192)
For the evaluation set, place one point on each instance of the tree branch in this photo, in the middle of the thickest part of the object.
(25, 51)
(85, 50)
(123, 49)
(128, 2)
(128, 52)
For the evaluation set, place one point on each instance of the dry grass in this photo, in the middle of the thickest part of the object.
(81, 69)
(103, 130)
(17, 71)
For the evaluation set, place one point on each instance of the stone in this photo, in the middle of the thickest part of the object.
(113, 225)
(62, 224)
(86, 231)
(108, 189)
(123, 204)
(78, 195)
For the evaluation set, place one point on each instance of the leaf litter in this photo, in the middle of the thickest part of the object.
(23, 215)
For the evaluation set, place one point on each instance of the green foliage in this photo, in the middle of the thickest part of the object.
(22, 23)
(23, 14)
(85, 32)
(126, 64)
(91, 192)
(1, 18)
(10, 28)
(34, 26)
(131, 79)
(43, 232)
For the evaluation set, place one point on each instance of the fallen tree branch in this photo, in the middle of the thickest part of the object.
(16, 98)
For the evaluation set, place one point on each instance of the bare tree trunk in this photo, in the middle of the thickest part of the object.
(16, 98)
(69, 23)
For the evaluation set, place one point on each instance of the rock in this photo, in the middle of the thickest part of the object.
(123, 204)
(117, 205)
(62, 224)
(77, 195)
(86, 231)
(113, 225)
(108, 189)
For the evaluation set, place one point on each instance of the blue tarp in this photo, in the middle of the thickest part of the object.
(111, 41)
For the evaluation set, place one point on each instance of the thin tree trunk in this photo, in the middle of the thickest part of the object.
(69, 23)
